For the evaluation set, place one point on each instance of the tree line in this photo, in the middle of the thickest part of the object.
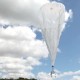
(18, 79)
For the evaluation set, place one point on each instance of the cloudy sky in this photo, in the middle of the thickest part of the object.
(22, 49)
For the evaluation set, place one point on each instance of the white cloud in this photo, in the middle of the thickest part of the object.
(76, 78)
(20, 51)
(59, 76)
(21, 42)
(16, 67)
(70, 73)
(32, 61)
(21, 11)
(66, 75)
(68, 15)
(47, 76)
(24, 12)
(44, 76)
(4, 22)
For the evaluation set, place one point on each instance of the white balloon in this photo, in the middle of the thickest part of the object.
(53, 15)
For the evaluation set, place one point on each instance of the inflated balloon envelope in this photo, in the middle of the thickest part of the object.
(53, 17)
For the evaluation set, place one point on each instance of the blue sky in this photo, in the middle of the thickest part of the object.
(67, 60)
(69, 43)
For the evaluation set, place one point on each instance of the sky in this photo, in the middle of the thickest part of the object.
(22, 49)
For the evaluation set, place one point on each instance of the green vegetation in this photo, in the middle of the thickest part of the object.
(18, 79)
